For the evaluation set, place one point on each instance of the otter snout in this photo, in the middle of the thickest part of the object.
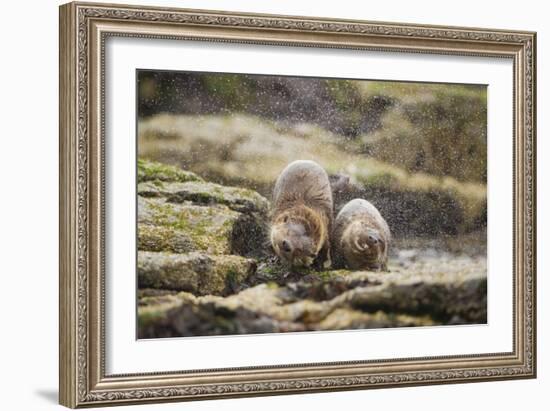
(294, 253)
(367, 240)
(292, 244)
(285, 247)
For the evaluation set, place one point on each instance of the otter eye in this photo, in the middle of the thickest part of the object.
(285, 219)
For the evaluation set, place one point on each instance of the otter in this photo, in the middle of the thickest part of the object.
(361, 237)
(302, 215)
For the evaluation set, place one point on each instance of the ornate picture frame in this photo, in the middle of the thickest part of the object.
(84, 29)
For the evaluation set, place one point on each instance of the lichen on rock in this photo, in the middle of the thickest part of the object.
(154, 171)
(180, 212)
(185, 227)
(195, 272)
(162, 238)
(204, 193)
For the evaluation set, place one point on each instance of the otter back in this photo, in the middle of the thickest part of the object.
(303, 182)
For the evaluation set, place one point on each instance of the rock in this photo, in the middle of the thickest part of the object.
(155, 297)
(195, 272)
(159, 238)
(450, 288)
(184, 227)
(153, 171)
(444, 300)
(181, 228)
(239, 199)
(179, 212)
(345, 319)
(415, 293)
(191, 320)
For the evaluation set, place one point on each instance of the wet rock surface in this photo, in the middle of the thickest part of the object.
(195, 272)
(434, 291)
(204, 269)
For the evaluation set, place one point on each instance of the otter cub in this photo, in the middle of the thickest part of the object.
(361, 237)
(302, 215)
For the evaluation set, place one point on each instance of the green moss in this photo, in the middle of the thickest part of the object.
(162, 238)
(229, 274)
(195, 223)
(207, 197)
(404, 91)
(153, 171)
(206, 193)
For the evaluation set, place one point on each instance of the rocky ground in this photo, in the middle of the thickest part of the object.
(204, 268)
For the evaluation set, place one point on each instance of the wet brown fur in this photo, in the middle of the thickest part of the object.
(351, 228)
(303, 196)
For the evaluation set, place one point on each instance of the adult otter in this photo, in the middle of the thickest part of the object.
(302, 215)
(361, 237)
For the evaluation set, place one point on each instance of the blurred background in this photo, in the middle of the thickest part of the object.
(418, 151)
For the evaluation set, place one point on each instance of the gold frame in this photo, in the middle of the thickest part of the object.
(83, 30)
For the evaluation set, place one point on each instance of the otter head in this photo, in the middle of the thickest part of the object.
(293, 241)
(363, 246)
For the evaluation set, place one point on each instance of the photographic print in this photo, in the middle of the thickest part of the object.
(271, 204)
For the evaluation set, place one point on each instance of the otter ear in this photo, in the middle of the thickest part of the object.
(285, 219)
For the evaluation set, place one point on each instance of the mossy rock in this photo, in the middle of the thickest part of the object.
(195, 272)
(432, 289)
(449, 300)
(350, 319)
(154, 171)
(165, 238)
(238, 199)
(184, 227)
